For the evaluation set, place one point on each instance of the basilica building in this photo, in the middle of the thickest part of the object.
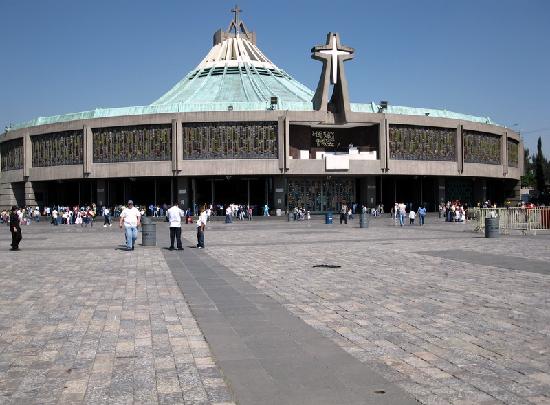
(240, 129)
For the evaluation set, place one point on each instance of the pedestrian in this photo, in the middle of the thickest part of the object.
(402, 208)
(201, 225)
(344, 214)
(421, 215)
(131, 218)
(15, 228)
(107, 217)
(266, 210)
(412, 216)
(175, 214)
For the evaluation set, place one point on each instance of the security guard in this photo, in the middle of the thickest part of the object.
(15, 228)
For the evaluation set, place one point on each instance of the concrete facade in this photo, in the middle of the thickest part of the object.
(278, 169)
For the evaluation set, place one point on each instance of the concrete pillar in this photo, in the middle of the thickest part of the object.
(30, 198)
(101, 191)
(459, 154)
(279, 193)
(281, 142)
(7, 195)
(88, 152)
(504, 153)
(184, 192)
(287, 142)
(177, 144)
(383, 144)
(441, 189)
(27, 155)
(480, 190)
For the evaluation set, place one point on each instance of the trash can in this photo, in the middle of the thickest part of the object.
(290, 216)
(364, 221)
(278, 212)
(148, 232)
(328, 218)
(491, 227)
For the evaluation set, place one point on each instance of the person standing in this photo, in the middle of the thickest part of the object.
(131, 218)
(201, 224)
(15, 228)
(175, 214)
(344, 214)
(106, 216)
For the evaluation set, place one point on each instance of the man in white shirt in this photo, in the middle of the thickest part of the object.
(174, 215)
(131, 218)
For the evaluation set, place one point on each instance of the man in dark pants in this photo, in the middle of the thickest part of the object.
(15, 229)
(174, 215)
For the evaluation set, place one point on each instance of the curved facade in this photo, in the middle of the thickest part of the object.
(237, 129)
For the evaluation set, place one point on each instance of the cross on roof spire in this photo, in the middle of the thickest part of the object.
(236, 20)
(236, 23)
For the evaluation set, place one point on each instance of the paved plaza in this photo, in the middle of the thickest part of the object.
(276, 312)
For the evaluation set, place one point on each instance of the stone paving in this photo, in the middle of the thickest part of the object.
(447, 331)
(81, 322)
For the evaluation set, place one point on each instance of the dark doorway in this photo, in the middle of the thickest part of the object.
(233, 190)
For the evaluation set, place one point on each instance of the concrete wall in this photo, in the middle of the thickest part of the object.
(269, 167)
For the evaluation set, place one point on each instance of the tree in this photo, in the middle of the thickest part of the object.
(528, 178)
(540, 163)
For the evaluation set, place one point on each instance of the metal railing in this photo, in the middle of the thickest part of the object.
(525, 220)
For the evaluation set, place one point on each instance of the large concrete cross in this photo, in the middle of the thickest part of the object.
(333, 55)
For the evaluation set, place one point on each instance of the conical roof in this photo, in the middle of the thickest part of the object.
(236, 71)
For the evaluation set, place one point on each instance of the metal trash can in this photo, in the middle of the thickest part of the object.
(364, 221)
(491, 227)
(290, 216)
(148, 232)
(328, 218)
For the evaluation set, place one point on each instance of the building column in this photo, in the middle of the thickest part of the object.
(30, 198)
(88, 152)
(504, 153)
(367, 191)
(383, 145)
(441, 189)
(459, 154)
(7, 195)
(27, 156)
(279, 194)
(183, 192)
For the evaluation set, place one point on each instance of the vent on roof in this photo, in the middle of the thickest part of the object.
(204, 72)
(217, 71)
(232, 70)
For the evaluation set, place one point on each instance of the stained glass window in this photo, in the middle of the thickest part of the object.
(230, 140)
(513, 153)
(12, 154)
(422, 143)
(481, 147)
(132, 144)
(57, 148)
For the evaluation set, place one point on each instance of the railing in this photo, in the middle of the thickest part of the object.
(514, 219)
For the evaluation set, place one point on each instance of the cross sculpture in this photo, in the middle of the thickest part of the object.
(333, 55)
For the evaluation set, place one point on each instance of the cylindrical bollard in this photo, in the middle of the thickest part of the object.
(491, 227)
(148, 232)
(328, 218)
(364, 221)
